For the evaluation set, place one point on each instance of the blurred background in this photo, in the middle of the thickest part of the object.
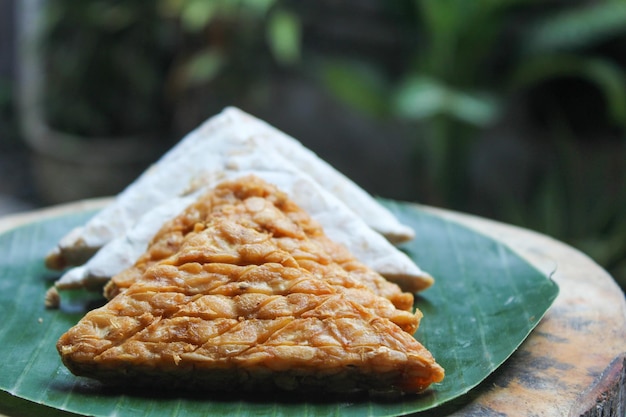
(510, 109)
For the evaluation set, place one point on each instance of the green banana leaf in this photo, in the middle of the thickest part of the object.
(485, 302)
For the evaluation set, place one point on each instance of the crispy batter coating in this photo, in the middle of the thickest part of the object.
(253, 203)
(251, 296)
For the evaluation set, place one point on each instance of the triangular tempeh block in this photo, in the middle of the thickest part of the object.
(235, 198)
(203, 150)
(338, 221)
(252, 297)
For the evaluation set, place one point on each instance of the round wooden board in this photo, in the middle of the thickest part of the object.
(572, 364)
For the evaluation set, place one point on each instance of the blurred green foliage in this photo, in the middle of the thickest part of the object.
(458, 73)
(99, 54)
(144, 54)
(472, 62)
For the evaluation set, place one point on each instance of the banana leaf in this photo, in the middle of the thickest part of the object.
(485, 302)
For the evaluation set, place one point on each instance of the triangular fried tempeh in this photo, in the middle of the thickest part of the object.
(201, 151)
(253, 202)
(252, 297)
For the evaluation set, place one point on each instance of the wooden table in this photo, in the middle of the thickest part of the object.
(572, 364)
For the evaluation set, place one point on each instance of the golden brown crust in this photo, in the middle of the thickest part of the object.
(253, 297)
(258, 205)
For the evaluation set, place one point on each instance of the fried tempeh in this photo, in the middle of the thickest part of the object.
(340, 223)
(255, 203)
(203, 150)
(245, 296)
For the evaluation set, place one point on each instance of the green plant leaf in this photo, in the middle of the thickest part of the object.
(356, 84)
(203, 67)
(257, 7)
(422, 97)
(283, 36)
(577, 27)
(197, 14)
(503, 298)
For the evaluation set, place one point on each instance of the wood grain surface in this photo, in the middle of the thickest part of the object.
(572, 364)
